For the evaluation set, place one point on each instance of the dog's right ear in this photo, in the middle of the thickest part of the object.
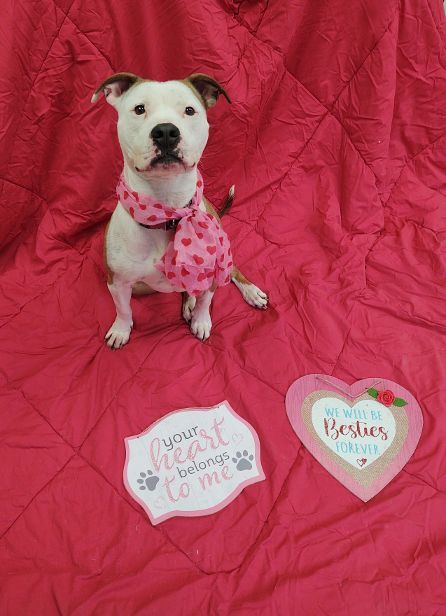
(113, 87)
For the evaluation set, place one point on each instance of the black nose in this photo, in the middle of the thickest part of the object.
(165, 136)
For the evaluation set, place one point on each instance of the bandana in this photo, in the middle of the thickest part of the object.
(199, 256)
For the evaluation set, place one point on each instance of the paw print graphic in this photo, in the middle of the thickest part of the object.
(243, 461)
(148, 481)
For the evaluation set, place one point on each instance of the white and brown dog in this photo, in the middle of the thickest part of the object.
(162, 130)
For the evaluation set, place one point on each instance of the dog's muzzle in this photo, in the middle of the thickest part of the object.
(166, 138)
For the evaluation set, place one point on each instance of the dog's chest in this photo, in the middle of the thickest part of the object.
(132, 251)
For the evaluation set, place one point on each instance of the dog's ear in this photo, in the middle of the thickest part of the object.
(113, 87)
(208, 88)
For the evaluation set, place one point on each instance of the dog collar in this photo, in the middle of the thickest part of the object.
(199, 255)
(169, 225)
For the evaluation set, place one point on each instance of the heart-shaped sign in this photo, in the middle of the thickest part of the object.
(362, 434)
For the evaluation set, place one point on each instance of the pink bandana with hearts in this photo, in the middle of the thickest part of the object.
(199, 256)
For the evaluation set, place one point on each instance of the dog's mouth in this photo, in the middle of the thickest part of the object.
(166, 160)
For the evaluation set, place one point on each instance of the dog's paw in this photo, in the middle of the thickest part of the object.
(201, 325)
(253, 295)
(118, 334)
(188, 307)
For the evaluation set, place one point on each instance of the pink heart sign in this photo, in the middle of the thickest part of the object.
(362, 434)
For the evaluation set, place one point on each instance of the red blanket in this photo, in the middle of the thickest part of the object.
(336, 142)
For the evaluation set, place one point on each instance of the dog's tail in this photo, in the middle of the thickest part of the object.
(228, 202)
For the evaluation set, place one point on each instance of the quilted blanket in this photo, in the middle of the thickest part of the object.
(336, 143)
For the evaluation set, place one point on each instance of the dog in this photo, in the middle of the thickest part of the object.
(163, 130)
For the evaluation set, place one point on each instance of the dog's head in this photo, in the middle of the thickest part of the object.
(162, 126)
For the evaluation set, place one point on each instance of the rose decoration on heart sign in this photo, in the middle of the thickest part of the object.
(386, 397)
(362, 434)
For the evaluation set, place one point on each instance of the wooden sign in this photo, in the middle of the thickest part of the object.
(362, 434)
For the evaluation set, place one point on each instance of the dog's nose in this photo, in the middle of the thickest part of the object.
(165, 135)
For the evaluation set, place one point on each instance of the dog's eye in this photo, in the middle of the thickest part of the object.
(139, 109)
(190, 111)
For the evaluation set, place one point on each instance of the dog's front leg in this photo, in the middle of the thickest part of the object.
(119, 332)
(189, 302)
(201, 324)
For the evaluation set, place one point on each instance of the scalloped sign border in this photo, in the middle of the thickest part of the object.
(192, 462)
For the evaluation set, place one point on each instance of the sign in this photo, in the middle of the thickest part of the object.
(192, 462)
(362, 434)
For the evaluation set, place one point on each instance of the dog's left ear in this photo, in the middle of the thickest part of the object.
(113, 87)
(208, 88)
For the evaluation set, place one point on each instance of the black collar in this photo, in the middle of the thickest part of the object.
(169, 225)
